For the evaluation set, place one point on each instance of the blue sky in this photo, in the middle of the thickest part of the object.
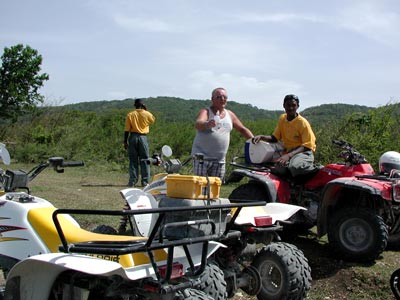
(323, 51)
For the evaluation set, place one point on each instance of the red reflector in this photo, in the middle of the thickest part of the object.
(150, 288)
(177, 270)
(263, 221)
(250, 229)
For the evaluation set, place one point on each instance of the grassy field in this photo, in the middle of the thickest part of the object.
(97, 187)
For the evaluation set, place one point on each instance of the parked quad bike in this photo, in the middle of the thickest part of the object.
(256, 261)
(45, 254)
(395, 284)
(358, 209)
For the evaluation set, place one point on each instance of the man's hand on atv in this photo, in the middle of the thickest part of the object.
(265, 138)
(282, 160)
(256, 139)
(259, 138)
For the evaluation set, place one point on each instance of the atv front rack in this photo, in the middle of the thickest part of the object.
(156, 239)
(263, 167)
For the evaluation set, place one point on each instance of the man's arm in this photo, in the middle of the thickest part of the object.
(202, 122)
(238, 125)
(126, 134)
(151, 118)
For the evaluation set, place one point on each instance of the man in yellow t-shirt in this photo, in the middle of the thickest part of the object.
(135, 141)
(297, 136)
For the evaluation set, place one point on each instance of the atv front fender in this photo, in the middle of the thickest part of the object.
(264, 181)
(330, 198)
(138, 199)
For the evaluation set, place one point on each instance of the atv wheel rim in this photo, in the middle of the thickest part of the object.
(271, 277)
(356, 235)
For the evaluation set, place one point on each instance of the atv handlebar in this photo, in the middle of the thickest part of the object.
(12, 180)
(173, 165)
(73, 164)
(349, 154)
(342, 143)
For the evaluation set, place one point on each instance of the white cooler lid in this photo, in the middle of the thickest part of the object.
(261, 152)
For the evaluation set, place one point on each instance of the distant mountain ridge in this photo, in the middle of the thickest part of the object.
(333, 112)
(174, 109)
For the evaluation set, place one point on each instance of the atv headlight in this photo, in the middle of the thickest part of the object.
(396, 191)
(16, 179)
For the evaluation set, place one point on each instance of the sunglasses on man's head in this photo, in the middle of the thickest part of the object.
(219, 97)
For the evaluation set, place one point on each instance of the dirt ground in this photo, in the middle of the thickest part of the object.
(335, 279)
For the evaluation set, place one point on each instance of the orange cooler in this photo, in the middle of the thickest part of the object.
(192, 187)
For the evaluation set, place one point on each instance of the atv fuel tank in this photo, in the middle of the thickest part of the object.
(333, 171)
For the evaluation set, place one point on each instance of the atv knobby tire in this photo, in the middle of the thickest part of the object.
(213, 282)
(285, 273)
(395, 284)
(192, 294)
(251, 191)
(305, 273)
(359, 235)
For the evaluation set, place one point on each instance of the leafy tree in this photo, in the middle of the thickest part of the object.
(20, 81)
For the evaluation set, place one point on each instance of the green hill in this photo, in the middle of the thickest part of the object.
(332, 112)
(173, 109)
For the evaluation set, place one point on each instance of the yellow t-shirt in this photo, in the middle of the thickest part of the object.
(138, 121)
(295, 133)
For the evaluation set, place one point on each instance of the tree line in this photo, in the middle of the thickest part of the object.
(97, 137)
(93, 131)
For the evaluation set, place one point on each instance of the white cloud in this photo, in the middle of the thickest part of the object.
(278, 18)
(142, 24)
(260, 51)
(264, 94)
(372, 20)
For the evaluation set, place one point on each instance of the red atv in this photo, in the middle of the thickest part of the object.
(356, 208)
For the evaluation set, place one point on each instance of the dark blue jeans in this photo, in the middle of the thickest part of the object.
(138, 149)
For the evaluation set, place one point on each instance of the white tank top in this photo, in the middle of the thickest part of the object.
(214, 143)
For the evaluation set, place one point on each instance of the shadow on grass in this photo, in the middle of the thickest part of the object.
(323, 262)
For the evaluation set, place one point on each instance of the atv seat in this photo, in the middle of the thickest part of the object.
(41, 221)
(298, 180)
(302, 179)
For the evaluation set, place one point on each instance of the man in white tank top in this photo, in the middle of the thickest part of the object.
(213, 127)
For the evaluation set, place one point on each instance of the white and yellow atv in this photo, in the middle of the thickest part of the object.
(45, 254)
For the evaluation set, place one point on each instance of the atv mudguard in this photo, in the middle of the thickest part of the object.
(330, 196)
(270, 188)
(33, 277)
(277, 211)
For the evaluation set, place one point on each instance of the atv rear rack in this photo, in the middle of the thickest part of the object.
(156, 239)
